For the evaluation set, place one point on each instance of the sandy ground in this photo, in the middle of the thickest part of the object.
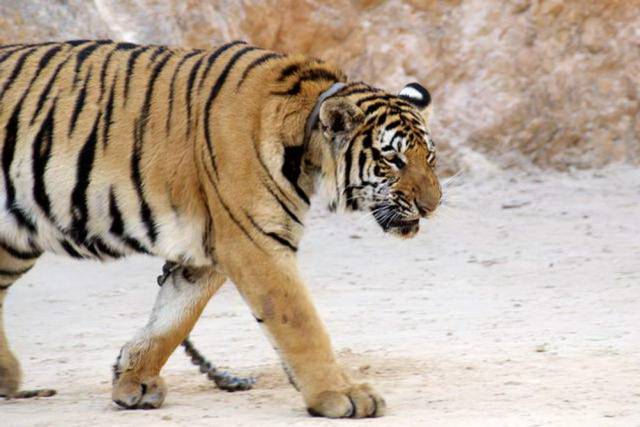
(518, 305)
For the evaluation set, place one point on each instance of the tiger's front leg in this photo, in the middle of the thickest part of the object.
(182, 297)
(281, 304)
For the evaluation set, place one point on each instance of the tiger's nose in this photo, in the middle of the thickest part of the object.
(428, 203)
(423, 210)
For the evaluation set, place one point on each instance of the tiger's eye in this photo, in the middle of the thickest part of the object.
(396, 161)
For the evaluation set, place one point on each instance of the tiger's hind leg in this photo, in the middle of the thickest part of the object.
(13, 264)
(182, 297)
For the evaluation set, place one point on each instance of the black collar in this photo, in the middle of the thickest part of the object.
(315, 113)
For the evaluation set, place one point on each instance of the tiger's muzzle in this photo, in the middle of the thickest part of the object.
(394, 221)
(404, 223)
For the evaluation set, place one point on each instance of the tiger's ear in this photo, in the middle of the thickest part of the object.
(419, 96)
(340, 116)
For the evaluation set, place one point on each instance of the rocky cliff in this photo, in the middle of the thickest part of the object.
(550, 83)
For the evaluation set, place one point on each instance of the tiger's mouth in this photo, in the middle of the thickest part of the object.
(405, 229)
(394, 224)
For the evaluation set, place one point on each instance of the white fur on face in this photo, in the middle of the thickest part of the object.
(389, 138)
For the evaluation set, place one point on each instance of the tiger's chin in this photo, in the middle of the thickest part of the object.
(402, 228)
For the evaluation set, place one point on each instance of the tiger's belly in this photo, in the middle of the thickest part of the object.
(108, 227)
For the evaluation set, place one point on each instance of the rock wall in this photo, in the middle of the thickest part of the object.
(515, 82)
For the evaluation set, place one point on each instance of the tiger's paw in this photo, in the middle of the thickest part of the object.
(359, 401)
(9, 374)
(147, 394)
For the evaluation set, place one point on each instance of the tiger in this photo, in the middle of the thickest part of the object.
(208, 159)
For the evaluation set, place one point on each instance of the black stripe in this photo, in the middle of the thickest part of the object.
(367, 141)
(189, 95)
(108, 113)
(172, 86)
(46, 58)
(257, 62)
(413, 119)
(374, 107)
(103, 74)
(92, 248)
(144, 112)
(347, 176)
(282, 241)
(370, 121)
(381, 118)
(79, 104)
(14, 273)
(394, 124)
(394, 143)
(77, 42)
(135, 244)
(16, 71)
(131, 63)
(275, 184)
(42, 64)
(6, 55)
(42, 145)
(28, 45)
(206, 236)
(214, 56)
(136, 177)
(156, 53)
(400, 134)
(375, 97)
(229, 213)
(272, 234)
(47, 89)
(308, 75)
(79, 208)
(100, 247)
(8, 152)
(69, 249)
(117, 225)
(19, 254)
(289, 70)
(7, 46)
(126, 46)
(83, 55)
(291, 168)
(139, 133)
(375, 154)
(362, 162)
(283, 205)
(356, 88)
(214, 93)
(268, 172)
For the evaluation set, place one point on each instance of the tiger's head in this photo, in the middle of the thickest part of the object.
(383, 157)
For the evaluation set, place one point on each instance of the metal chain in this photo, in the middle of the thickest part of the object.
(222, 379)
